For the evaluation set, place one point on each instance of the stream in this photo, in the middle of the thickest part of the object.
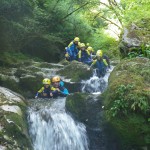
(52, 128)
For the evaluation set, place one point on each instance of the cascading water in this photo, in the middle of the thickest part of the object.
(96, 85)
(51, 128)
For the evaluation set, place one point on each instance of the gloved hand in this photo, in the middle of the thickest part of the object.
(67, 55)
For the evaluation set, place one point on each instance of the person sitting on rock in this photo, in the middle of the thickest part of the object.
(100, 63)
(72, 50)
(45, 91)
(90, 51)
(58, 88)
(84, 55)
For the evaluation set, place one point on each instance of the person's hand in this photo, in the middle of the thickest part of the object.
(36, 96)
(58, 89)
(67, 55)
(51, 94)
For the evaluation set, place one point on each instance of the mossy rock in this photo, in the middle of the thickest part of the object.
(13, 133)
(85, 108)
(127, 102)
(30, 84)
(48, 65)
(134, 36)
(76, 71)
(133, 130)
(10, 83)
(64, 62)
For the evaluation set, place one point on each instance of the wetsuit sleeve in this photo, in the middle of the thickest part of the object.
(64, 92)
(53, 89)
(88, 52)
(105, 62)
(79, 55)
(93, 63)
(41, 90)
(70, 44)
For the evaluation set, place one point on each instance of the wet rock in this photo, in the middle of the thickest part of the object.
(64, 62)
(76, 71)
(127, 102)
(31, 84)
(84, 108)
(13, 124)
(87, 108)
(134, 36)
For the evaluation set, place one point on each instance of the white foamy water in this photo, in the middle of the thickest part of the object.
(51, 128)
(96, 85)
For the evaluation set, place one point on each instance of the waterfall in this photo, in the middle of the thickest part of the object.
(51, 128)
(96, 85)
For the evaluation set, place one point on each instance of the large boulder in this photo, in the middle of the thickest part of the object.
(88, 109)
(135, 38)
(76, 71)
(127, 102)
(13, 124)
(80, 105)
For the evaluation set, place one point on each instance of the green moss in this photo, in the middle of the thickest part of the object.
(10, 84)
(76, 71)
(14, 132)
(76, 104)
(30, 85)
(133, 130)
(127, 101)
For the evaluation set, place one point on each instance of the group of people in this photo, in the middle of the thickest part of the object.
(76, 50)
(84, 53)
(52, 88)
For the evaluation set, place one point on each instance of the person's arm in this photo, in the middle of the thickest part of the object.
(93, 63)
(70, 44)
(40, 91)
(105, 62)
(79, 56)
(64, 92)
(88, 53)
(107, 59)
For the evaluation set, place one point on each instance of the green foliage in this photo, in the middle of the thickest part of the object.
(45, 27)
(126, 102)
(143, 51)
(135, 10)
(120, 104)
(104, 42)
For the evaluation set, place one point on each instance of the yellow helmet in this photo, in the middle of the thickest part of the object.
(87, 44)
(99, 53)
(90, 49)
(46, 81)
(56, 79)
(76, 39)
(82, 45)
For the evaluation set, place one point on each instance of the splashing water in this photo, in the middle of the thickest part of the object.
(51, 128)
(96, 85)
